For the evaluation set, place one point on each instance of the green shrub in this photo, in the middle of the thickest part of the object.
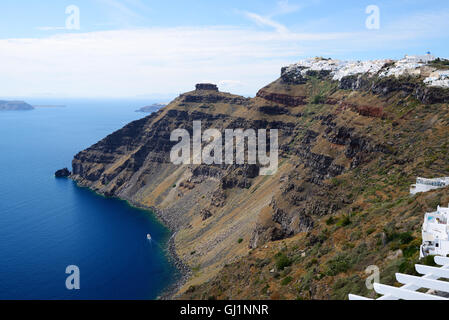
(336, 182)
(319, 99)
(338, 264)
(344, 221)
(305, 282)
(330, 221)
(407, 266)
(388, 274)
(312, 262)
(324, 235)
(282, 261)
(411, 249)
(348, 245)
(260, 263)
(286, 280)
(428, 261)
(345, 261)
(343, 287)
(405, 238)
(265, 289)
(240, 240)
(402, 238)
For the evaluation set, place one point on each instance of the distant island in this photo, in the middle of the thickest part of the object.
(49, 106)
(152, 108)
(14, 106)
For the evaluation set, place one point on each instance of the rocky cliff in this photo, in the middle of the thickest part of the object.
(352, 138)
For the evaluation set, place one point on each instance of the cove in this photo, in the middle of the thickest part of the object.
(47, 224)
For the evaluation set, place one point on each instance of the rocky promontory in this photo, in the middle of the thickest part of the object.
(152, 108)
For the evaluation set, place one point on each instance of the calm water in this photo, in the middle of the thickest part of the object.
(47, 224)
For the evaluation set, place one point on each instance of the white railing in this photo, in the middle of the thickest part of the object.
(411, 284)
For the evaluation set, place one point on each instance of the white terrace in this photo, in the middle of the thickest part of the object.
(425, 185)
(430, 280)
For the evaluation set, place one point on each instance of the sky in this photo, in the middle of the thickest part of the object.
(148, 49)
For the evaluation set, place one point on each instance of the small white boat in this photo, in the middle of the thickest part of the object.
(149, 236)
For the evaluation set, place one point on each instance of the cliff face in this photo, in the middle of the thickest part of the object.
(349, 149)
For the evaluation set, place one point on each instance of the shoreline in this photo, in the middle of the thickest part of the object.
(184, 271)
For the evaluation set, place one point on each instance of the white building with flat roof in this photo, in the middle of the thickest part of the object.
(425, 185)
(420, 58)
(439, 78)
(435, 233)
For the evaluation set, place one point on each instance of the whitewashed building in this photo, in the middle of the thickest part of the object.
(425, 185)
(420, 59)
(435, 233)
(410, 65)
(439, 78)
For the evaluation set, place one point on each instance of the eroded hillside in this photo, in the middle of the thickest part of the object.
(339, 202)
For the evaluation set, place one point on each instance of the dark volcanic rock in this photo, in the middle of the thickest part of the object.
(63, 173)
(292, 77)
(404, 85)
(290, 101)
(205, 214)
(355, 82)
(206, 86)
(273, 110)
(211, 98)
(432, 95)
(385, 86)
(321, 74)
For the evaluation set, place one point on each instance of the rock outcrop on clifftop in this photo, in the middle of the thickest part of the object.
(206, 86)
(352, 139)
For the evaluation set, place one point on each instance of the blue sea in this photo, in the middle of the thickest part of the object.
(47, 224)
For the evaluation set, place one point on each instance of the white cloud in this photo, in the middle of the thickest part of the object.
(266, 21)
(125, 12)
(284, 7)
(138, 62)
(145, 61)
(50, 28)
